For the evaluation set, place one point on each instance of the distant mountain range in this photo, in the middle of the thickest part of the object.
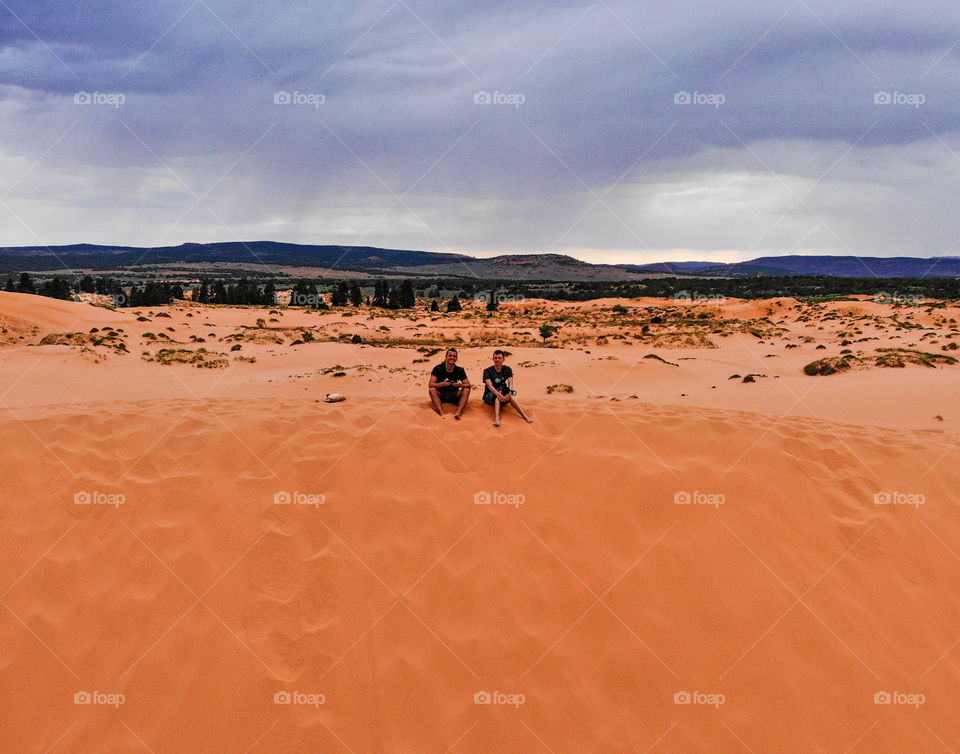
(836, 266)
(373, 260)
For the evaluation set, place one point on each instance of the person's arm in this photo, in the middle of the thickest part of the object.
(435, 383)
(464, 382)
(492, 389)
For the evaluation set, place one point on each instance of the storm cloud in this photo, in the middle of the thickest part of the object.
(611, 130)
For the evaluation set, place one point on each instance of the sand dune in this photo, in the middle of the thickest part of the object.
(200, 540)
(48, 314)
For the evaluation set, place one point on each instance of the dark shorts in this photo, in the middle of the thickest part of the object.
(449, 395)
(489, 399)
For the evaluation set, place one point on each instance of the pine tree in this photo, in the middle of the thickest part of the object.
(434, 306)
(407, 298)
(356, 298)
(340, 295)
(269, 295)
(26, 284)
(380, 292)
(453, 305)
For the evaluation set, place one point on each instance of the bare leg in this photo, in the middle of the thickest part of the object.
(496, 413)
(464, 397)
(435, 399)
(513, 402)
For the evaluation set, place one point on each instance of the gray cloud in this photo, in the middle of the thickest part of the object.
(398, 81)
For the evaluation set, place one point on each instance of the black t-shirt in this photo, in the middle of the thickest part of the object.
(442, 375)
(499, 379)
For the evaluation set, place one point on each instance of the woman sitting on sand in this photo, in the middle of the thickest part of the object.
(498, 388)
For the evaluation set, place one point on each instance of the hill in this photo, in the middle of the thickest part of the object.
(375, 260)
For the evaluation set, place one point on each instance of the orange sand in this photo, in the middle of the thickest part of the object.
(383, 597)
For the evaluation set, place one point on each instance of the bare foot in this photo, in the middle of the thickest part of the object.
(457, 417)
(496, 422)
(529, 420)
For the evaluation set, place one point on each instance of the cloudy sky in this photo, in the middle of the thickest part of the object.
(614, 130)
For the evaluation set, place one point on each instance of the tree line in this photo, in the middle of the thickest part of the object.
(446, 293)
(218, 291)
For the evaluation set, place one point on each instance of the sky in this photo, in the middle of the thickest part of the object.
(614, 131)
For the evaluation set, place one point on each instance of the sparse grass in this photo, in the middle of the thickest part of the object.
(107, 338)
(200, 358)
(899, 357)
(559, 388)
(660, 358)
(829, 365)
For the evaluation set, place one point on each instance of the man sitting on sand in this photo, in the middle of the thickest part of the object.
(498, 388)
(449, 384)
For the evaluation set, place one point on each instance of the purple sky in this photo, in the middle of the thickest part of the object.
(811, 127)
